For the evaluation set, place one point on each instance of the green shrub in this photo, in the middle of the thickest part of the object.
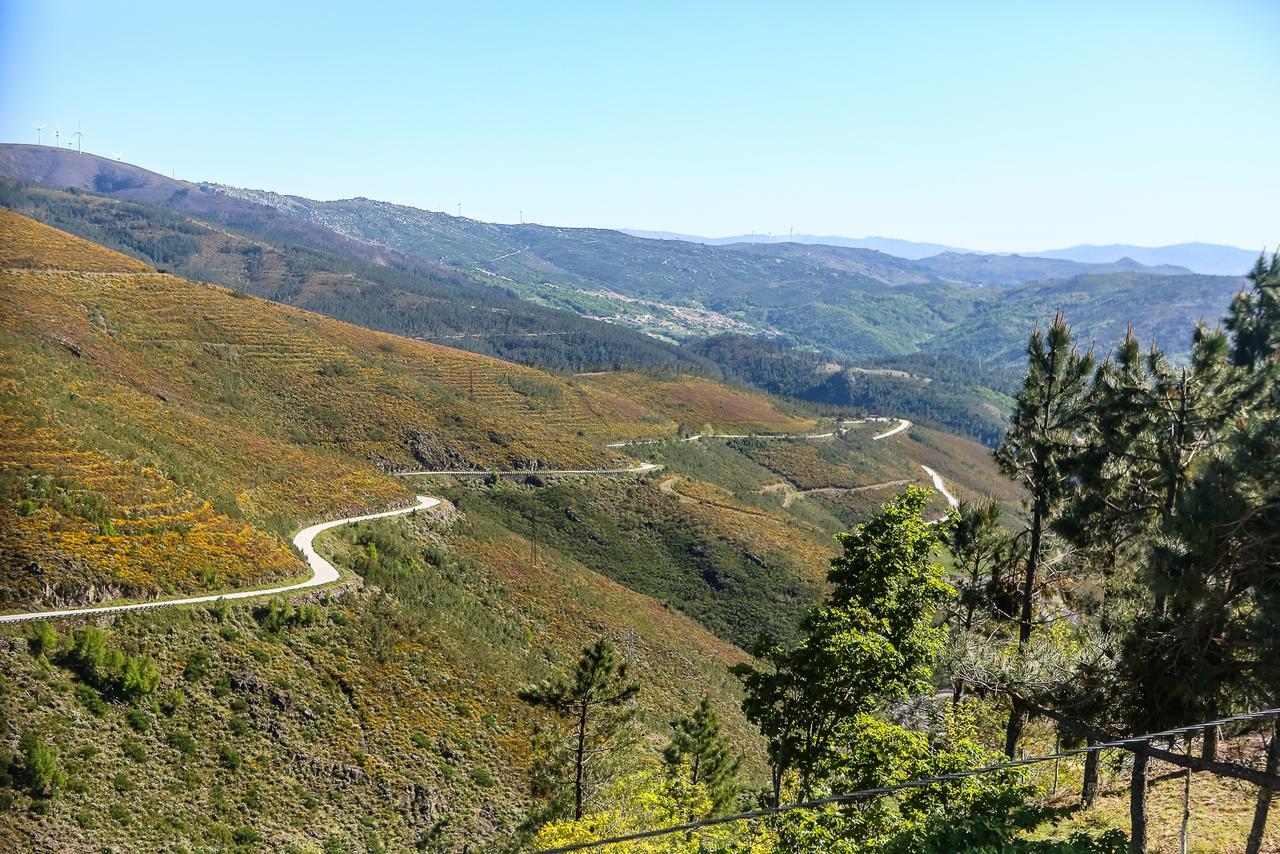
(43, 639)
(91, 700)
(172, 701)
(138, 719)
(121, 782)
(40, 766)
(197, 666)
(482, 777)
(421, 740)
(230, 757)
(139, 677)
(120, 813)
(134, 750)
(246, 835)
(181, 740)
(238, 725)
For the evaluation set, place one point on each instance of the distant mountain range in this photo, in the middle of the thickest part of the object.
(1212, 259)
(909, 249)
(943, 335)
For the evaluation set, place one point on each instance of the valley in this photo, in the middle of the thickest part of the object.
(131, 398)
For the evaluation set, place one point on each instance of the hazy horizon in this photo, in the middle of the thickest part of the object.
(994, 128)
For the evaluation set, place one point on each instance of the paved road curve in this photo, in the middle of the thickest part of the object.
(322, 572)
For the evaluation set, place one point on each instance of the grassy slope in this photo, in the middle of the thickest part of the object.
(150, 417)
(151, 420)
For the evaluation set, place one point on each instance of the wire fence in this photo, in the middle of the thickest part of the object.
(864, 794)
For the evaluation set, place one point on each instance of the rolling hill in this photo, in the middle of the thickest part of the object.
(163, 436)
(854, 304)
(885, 333)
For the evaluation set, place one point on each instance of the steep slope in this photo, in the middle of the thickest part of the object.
(159, 437)
(245, 248)
(105, 357)
(850, 303)
(163, 436)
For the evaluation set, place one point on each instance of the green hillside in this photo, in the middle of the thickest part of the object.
(163, 437)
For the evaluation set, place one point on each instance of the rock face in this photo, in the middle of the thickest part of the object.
(431, 453)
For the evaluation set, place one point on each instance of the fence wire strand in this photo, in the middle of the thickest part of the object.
(863, 794)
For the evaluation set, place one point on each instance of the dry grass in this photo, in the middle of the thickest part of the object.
(26, 243)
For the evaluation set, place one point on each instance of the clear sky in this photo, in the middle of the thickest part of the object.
(1019, 125)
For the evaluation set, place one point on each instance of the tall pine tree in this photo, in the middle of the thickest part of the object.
(593, 706)
(700, 747)
(1048, 417)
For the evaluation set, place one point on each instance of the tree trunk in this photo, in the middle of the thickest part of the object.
(1017, 714)
(1013, 730)
(1089, 789)
(1029, 581)
(1210, 749)
(1265, 794)
(1138, 805)
(579, 763)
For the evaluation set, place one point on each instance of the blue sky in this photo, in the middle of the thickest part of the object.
(984, 125)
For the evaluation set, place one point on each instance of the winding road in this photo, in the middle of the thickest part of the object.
(903, 424)
(323, 572)
(941, 487)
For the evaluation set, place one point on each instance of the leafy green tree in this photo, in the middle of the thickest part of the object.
(875, 639)
(576, 759)
(43, 640)
(700, 748)
(40, 766)
(1048, 417)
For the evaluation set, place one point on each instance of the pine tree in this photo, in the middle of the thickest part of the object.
(595, 710)
(1254, 317)
(982, 548)
(699, 746)
(1048, 417)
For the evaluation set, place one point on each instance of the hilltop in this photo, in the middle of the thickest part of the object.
(853, 303)
(866, 331)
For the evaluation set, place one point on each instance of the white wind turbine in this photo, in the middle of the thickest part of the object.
(57, 136)
(38, 129)
(79, 135)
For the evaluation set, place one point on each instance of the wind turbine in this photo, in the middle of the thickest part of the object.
(118, 155)
(38, 129)
(57, 136)
(79, 135)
